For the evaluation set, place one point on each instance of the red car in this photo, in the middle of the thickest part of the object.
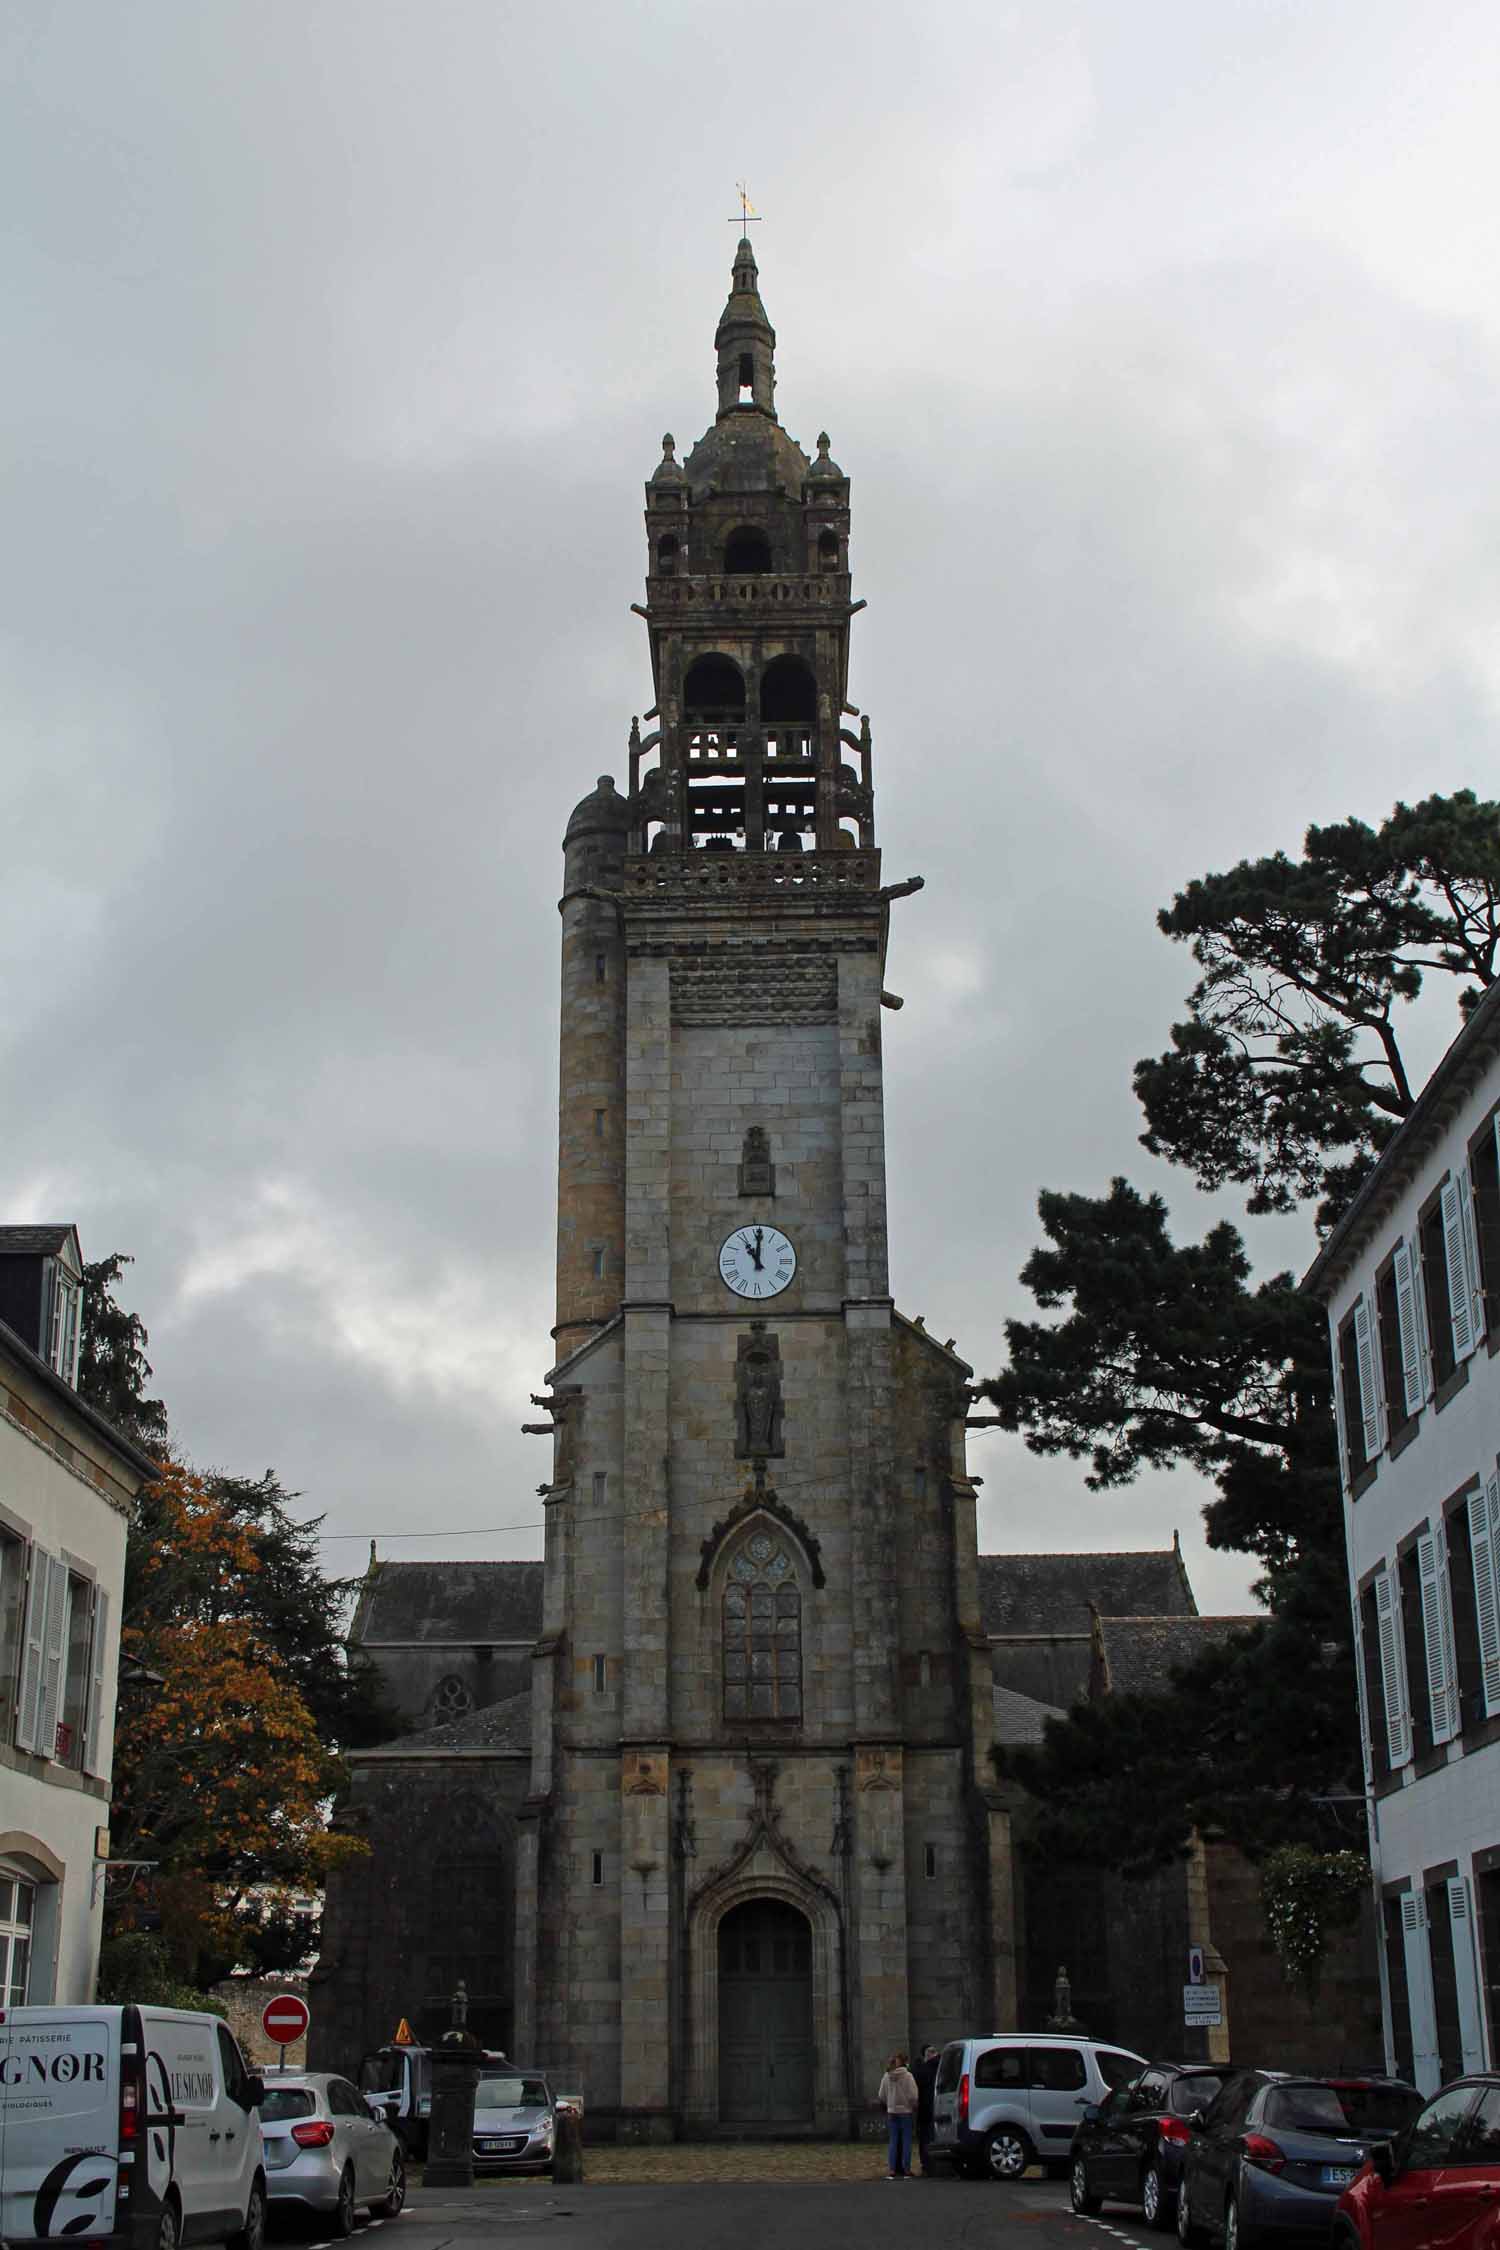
(1437, 2184)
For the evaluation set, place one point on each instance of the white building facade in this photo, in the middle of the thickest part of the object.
(67, 1479)
(1410, 1279)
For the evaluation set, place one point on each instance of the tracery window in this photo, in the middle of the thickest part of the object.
(762, 1633)
(450, 1700)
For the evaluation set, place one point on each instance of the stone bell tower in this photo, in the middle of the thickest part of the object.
(762, 1844)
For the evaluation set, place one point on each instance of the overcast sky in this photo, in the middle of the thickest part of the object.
(1160, 343)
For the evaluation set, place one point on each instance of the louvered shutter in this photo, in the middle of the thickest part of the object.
(1393, 1668)
(33, 1649)
(1466, 1973)
(1369, 1389)
(1456, 1256)
(1338, 1412)
(1484, 1516)
(1427, 2069)
(1428, 1373)
(1403, 1272)
(1437, 1637)
(98, 1654)
(54, 1658)
(1471, 1253)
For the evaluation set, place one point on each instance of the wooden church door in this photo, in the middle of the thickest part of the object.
(765, 2015)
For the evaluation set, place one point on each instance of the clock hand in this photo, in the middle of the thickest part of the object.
(755, 1250)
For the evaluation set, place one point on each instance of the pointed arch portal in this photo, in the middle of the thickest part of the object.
(765, 2015)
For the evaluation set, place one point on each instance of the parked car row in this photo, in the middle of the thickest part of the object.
(1244, 2158)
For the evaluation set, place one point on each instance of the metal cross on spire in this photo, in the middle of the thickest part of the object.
(749, 216)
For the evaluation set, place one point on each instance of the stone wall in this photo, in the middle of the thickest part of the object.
(1269, 2020)
(240, 2001)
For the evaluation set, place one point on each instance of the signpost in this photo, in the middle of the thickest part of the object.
(284, 2019)
(1195, 1964)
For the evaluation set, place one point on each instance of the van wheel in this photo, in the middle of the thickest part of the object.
(1008, 2152)
(343, 2210)
(252, 2235)
(168, 2227)
(395, 2195)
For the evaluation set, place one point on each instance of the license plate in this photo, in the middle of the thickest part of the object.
(1338, 2175)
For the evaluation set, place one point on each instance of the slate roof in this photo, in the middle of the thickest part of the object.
(1140, 1653)
(1020, 1718)
(1052, 1593)
(478, 1602)
(30, 1242)
(493, 1726)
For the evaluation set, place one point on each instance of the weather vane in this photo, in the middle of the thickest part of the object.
(749, 216)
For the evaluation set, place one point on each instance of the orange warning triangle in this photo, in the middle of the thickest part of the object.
(405, 2036)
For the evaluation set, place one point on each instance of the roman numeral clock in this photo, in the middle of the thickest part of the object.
(756, 1261)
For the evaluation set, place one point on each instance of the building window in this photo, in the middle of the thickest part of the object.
(1396, 1324)
(1387, 1701)
(62, 1319)
(1484, 1560)
(599, 1117)
(919, 1484)
(599, 1259)
(12, 1609)
(601, 1486)
(598, 1869)
(450, 1700)
(1414, 1649)
(762, 1618)
(929, 1861)
(924, 1668)
(1440, 1667)
(17, 1919)
(1450, 1275)
(601, 1674)
(62, 1684)
(601, 967)
(78, 1648)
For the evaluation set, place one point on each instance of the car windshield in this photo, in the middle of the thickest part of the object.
(282, 2102)
(1353, 2107)
(1189, 2094)
(510, 2093)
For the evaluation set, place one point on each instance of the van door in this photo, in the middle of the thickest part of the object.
(59, 2121)
(945, 2095)
(239, 2124)
(183, 2093)
(1058, 2082)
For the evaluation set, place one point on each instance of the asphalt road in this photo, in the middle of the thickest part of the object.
(784, 2215)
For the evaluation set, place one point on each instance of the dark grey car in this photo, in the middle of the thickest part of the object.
(1274, 2153)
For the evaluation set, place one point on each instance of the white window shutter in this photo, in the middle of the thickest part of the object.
(1460, 1307)
(1471, 1252)
(1484, 1517)
(1338, 1410)
(1437, 1637)
(1404, 1274)
(54, 1658)
(1426, 2065)
(1369, 1391)
(1393, 1668)
(33, 1649)
(98, 1679)
(1466, 1973)
(1428, 1382)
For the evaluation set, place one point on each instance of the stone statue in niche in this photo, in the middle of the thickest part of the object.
(757, 1172)
(758, 1410)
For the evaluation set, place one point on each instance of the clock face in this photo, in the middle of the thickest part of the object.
(756, 1261)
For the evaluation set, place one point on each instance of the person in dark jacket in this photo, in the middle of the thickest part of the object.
(924, 2070)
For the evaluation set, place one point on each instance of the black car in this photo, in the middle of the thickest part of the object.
(1274, 2153)
(1129, 2149)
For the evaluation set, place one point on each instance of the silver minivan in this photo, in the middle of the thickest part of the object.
(1015, 2098)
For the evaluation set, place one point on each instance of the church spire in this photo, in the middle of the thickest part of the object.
(746, 342)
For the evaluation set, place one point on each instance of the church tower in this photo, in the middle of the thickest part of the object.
(763, 1843)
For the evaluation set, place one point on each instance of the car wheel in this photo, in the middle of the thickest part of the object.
(1087, 2206)
(394, 2199)
(252, 2235)
(1156, 2204)
(168, 2227)
(1007, 2153)
(1189, 2233)
(1239, 2232)
(343, 2211)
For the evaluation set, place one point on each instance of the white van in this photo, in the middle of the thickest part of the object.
(129, 2126)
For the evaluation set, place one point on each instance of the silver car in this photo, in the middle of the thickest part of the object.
(515, 2120)
(325, 2153)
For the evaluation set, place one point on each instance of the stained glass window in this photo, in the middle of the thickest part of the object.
(762, 1634)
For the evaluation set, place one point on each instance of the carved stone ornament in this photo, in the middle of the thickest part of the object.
(646, 1774)
(760, 1502)
(757, 1172)
(758, 1415)
(875, 1767)
(764, 1829)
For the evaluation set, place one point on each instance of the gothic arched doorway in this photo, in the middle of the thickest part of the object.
(765, 2015)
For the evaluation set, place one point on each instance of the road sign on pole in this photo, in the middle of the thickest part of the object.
(284, 2019)
(1195, 1964)
(1202, 2004)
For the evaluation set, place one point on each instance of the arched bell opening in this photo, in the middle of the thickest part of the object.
(714, 689)
(828, 550)
(747, 552)
(788, 689)
(666, 555)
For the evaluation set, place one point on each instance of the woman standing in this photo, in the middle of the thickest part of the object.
(898, 2098)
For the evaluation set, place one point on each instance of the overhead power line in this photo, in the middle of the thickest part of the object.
(474, 1531)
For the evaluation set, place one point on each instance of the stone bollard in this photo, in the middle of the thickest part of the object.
(567, 2148)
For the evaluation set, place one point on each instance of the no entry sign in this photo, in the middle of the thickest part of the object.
(284, 2019)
